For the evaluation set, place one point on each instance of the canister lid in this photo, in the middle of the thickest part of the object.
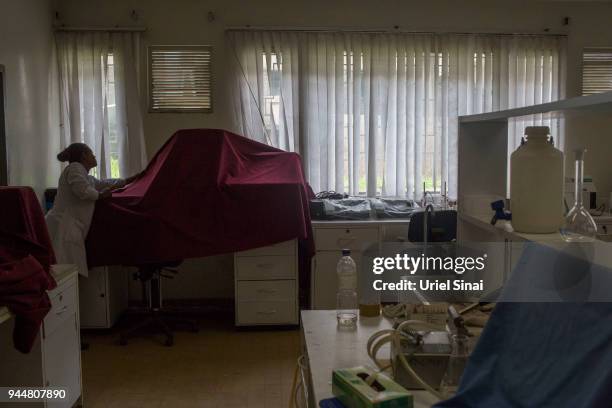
(537, 131)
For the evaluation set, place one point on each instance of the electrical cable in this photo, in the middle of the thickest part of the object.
(294, 388)
(601, 209)
(406, 331)
(301, 368)
(399, 310)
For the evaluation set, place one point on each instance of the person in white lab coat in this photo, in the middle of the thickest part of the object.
(69, 220)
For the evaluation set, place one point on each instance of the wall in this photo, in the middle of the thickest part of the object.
(185, 22)
(593, 131)
(32, 118)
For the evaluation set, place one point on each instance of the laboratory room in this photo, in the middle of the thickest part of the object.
(305, 204)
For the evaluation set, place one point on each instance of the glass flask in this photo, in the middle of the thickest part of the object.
(579, 225)
(460, 351)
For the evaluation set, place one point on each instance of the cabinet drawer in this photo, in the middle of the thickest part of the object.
(336, 239)
(282, 248)
(265, 267)
(266, 312)
(250, 291)
(63, 306)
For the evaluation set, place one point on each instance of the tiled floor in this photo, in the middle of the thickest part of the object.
(217, 367)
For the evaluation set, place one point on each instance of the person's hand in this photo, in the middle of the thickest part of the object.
(106, 193)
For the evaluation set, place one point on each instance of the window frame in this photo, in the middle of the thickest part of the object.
(595, 50)
(150, 50)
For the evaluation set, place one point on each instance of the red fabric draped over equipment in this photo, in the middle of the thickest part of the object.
(26, 257)
(205, 192)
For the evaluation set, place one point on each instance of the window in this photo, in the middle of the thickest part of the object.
(107, 65)
(272, 65)
(112, 117)
(377, 114)
(596, 70)
(100, 98)
(180, 78)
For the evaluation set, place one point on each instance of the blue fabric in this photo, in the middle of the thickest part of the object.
(553, 354)
(331, 403)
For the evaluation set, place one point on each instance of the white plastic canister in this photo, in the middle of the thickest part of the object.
(536, 184)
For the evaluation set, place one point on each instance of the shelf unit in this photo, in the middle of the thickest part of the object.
(483, 147)
(483, 176)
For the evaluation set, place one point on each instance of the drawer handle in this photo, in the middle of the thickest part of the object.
(269, 312)
(265, 265)
(270, 291)
(61, 311)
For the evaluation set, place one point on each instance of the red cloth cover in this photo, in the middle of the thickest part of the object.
(205, 192)
(26, 256)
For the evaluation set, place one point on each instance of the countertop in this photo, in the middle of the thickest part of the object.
(329, 349)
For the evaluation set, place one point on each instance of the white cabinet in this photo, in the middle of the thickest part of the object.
(266, 285)
(483, 169)
(55, 359)
(103, 297)
(333, 236)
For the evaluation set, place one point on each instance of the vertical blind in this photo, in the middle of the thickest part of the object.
(377, 114)
(180, 78)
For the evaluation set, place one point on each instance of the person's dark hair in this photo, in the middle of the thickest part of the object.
(73, 153)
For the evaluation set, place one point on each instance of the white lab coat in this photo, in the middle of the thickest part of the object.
(69, 219)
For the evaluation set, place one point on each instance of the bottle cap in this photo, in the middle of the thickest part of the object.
(537, 131)
(346, 252)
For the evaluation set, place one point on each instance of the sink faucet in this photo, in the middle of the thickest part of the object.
(429, 209)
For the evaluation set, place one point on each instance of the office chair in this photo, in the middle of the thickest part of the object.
(150, 276)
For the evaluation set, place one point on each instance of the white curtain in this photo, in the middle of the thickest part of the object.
(378, 113)
(99, 98)
(266, 87)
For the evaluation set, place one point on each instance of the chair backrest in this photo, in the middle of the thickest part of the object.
(441, 226)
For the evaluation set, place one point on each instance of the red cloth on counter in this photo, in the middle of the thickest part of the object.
(205, 192)
(26, 256)
(21, 215)
(23, 289)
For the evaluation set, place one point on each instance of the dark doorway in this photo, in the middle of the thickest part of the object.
(3, 160)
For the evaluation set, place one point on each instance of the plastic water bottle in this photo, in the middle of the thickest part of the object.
(346, 299)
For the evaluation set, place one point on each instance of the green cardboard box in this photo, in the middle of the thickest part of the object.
(350, 387)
